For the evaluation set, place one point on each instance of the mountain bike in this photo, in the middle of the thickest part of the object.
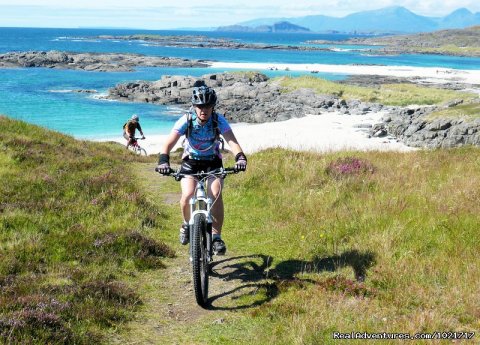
(200, 228)
(136, 148)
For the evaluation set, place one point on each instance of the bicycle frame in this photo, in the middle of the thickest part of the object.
(135, 146)
(135, 143)
(200, 202)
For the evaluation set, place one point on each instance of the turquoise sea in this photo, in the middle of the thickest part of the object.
(44, 96)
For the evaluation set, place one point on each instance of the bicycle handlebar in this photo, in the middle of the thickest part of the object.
(220, 172)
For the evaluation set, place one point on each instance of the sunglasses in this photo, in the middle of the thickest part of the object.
(203, 106)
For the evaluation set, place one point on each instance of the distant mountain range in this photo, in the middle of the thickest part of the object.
(394, 19)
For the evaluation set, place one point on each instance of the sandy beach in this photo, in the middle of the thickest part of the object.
(430, 74)
(320, 133)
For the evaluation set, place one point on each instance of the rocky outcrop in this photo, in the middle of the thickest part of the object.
(243, 97)
(414, 127)
(102, 62)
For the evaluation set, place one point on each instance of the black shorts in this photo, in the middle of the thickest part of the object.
(194, 166)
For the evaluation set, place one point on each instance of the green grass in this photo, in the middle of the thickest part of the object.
(470, 111)
(388, 94)
(80, 234)
(72, 226)
(407, 222)
(448, 49)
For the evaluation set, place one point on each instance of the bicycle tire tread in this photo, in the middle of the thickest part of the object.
(200, 287)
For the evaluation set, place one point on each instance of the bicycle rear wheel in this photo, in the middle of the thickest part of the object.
(200, 264)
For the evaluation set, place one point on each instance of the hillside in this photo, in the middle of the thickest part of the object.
(73, 228)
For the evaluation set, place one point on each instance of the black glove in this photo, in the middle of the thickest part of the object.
(240, 162)
(163, 166)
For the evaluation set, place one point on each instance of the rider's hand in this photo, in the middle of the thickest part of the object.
(240, 162)
(143, 137)
(163, 166)
(163, 169)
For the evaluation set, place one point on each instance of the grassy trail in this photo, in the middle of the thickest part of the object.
(169, 309)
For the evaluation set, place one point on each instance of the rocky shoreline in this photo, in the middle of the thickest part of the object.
(390, 45)
(415, 128)
(199, 41)
(252, 98)
(100, 62)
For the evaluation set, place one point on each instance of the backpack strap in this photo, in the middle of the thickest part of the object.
(216, 130)
(189, 124)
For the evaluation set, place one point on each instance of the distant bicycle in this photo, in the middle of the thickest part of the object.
(136, 148)
(200, 227)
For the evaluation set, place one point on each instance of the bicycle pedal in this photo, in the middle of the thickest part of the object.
(220, 253)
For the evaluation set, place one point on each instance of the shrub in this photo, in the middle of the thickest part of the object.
(349, 166)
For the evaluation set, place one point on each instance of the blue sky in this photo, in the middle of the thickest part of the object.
(161, 14)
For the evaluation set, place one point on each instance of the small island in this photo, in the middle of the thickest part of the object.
(280, 27)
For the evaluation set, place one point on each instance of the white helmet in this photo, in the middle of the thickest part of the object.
(135, 117)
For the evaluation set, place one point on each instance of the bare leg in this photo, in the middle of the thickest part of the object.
(188, 188)
(215, 192)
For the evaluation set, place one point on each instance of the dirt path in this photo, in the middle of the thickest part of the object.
(169, 308)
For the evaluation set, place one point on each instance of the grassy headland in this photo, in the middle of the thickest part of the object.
(387, 94)
(460, 42)
(72, 225)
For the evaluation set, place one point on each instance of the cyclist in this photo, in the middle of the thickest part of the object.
(202, 127)
(129, 129)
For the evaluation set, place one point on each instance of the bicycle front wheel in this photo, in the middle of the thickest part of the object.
(200, 264)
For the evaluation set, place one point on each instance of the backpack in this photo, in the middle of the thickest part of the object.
(131, 126)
